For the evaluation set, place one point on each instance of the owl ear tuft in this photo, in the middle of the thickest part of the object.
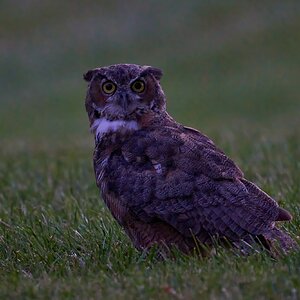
(88, 76)
(157, 73)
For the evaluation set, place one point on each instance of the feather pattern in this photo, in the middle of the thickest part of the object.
(198, 191)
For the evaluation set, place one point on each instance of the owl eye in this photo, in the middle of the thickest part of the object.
(108, 87)
(138, 86)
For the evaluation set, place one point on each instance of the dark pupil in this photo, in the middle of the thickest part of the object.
(109, 86)
(138, 85)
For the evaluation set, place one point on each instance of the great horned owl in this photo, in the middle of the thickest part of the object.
(167, 184)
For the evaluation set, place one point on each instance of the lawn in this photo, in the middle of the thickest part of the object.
(231, 69)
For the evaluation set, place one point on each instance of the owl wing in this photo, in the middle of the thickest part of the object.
(178, 176)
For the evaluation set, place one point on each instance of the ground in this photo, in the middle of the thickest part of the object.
(231, 70)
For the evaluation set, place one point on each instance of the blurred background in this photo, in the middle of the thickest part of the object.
(228, 66)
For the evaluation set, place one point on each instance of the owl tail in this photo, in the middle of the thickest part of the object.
(279, 242)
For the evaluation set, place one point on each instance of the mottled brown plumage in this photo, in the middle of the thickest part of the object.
(165, 183)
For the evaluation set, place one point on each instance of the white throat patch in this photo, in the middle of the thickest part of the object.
(102, 126)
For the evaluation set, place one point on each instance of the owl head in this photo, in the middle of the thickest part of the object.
(123, 92)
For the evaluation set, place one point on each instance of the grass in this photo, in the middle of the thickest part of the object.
(231, 70)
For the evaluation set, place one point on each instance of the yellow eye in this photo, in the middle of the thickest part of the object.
(108, 87)
(138, 86)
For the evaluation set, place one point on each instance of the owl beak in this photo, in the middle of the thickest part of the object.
(124, 101)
